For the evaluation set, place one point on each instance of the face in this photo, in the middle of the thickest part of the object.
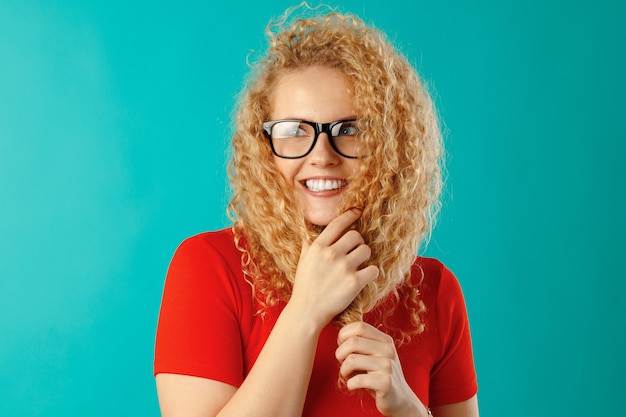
(315, 94)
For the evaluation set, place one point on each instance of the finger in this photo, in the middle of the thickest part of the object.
(362, 329)
(358, 256)
(363, 346)
(359, 364)
(349, 241)
(366, 275)
(374, 382)
(356, 363)
(338, 226)
(353, 283)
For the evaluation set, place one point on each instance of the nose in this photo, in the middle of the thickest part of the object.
(323, 153)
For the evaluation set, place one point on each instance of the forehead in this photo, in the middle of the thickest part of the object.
(318, 94)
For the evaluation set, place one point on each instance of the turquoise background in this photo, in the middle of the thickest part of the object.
(114, 121)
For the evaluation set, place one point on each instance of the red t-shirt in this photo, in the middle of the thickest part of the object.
(208, 328)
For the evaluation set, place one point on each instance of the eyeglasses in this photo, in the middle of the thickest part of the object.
(294, 139)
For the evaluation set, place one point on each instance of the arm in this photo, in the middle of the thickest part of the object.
(468, 408)
(268, 389)
(184, 395)
(327, 280)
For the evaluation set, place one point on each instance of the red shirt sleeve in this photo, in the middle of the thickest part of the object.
(453, 377)
(198, 332)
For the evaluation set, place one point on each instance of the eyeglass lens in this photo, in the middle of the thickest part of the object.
(295, 138)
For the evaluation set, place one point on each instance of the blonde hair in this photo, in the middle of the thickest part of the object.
(397, 185)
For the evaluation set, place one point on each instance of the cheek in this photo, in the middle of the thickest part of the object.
(352, 165)
(351, 168)
(286, 167)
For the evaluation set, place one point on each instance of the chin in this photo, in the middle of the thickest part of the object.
(320, 216)
(319, 221)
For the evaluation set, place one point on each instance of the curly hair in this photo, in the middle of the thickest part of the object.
(397, 186)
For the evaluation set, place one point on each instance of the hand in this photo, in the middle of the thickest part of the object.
(369, 361)
(330, 271)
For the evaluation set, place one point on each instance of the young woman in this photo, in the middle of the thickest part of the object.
(314, 302)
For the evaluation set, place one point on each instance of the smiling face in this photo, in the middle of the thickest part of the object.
(316, 94)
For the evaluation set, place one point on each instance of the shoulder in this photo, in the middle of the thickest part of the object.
(434, 279)
(205, 299)
(207, 248)
(206, 271)
(219, 241)
(442, 295)
(207, 260)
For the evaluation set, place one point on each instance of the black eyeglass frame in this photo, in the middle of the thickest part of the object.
(318, 128)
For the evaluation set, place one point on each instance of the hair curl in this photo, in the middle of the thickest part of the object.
(397, 186)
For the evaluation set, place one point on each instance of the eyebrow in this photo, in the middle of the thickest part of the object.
(312, 121)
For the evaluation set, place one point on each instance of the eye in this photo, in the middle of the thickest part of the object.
(345, 129)
(300, 131)
(290, 129)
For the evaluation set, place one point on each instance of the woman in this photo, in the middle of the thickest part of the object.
(314, 302)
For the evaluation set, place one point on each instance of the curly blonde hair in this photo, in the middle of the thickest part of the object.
(397, 185)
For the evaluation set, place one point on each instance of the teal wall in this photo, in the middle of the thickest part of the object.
(114, 120)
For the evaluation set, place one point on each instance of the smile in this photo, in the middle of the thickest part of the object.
(318, 185)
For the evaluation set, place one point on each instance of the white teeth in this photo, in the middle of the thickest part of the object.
(323, 185)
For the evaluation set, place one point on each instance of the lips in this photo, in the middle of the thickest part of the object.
(320, 185)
